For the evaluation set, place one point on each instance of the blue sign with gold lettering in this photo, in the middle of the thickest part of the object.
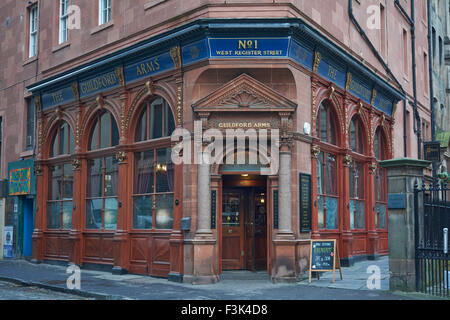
(360, 90)
(57, 97)
(382, 104)
(148, 67)
(332, 72)
(195, 52)
(249, 47)
(301, 54)
(101, 82)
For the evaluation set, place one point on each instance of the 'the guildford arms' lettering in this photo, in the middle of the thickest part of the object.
(57, 97)
(98, 83)
(332, 72)
(360, 90)
(147, 67)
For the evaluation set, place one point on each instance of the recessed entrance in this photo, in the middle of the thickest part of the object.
(244, 223)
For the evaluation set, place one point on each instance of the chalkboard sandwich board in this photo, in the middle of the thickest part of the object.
(324, 257)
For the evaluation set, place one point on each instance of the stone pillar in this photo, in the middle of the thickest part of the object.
(347, 236)
(204, 253)
(372, 235)
(402, 175)
(283, 267)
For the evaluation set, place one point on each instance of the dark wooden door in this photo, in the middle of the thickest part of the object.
(256, 230)
(233, 230)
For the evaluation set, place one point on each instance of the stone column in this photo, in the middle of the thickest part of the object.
(283, 267)
(402, 175)
(204, 199)
(203, 249)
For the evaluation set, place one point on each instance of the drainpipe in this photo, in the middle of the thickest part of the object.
(430, 71)
(385, 66)
(411, 21)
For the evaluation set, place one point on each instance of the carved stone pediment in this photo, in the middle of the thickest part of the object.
(244, 93)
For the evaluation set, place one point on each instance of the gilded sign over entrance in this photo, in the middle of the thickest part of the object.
(246, 125)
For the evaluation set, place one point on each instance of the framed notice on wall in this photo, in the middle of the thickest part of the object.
(305, 202)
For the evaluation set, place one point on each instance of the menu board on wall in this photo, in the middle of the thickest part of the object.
(305, 202)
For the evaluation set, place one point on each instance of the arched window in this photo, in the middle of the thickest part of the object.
(60, 192)
(356, 175)
(327, 176)
(380, 181)
(326, 123)
(153, 194)
(102, 175)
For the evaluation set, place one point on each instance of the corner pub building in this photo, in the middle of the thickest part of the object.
(109, 195)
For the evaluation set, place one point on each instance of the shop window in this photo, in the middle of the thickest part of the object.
(60, 191)
(327, 191)
(153, 194)
(380, 182)
(356, 182)
(102, 176)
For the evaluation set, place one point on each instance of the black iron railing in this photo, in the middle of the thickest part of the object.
(431, 223)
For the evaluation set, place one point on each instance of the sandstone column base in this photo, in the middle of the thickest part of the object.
(283, 266)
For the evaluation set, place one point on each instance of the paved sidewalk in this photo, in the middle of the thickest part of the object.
(354, 277)
(241, 285)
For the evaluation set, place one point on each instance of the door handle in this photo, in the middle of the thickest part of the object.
(230, 231)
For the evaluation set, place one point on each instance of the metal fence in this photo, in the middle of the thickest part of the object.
(432, 217)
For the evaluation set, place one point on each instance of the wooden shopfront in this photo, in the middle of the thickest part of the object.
(109, 194)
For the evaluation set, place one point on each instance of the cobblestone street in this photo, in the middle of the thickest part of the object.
(10, 291)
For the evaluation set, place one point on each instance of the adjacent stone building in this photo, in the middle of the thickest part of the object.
(325, 84)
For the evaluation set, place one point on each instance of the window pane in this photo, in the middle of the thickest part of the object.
(141, 130)
(323, 124)
(331, 174)
(68, 182)
(71, 142)
(94, 178)
(115, 133)
(353, 135)
(94, 138)
(94, 214)
(111, 214)
(321, 212)
(53, 214)
(332, 205)
(67, 215)
(111, 176)
(170, 123)
(105, 125)
(63, 139)
(55, 146)
(56, 180)
(144, 172)
(360, 215)
(382, 209)
(164, 211)
(164, 171)
(320, 179)
(352, 214)
(156, 119)
(142, 212)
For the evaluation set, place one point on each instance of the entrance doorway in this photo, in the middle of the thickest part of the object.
(244, 224)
